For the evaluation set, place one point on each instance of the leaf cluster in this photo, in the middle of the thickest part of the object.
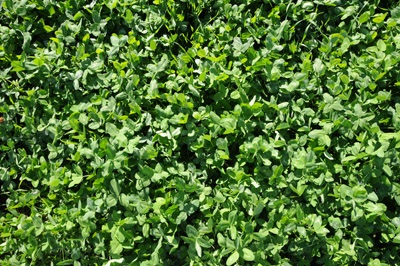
(199, 132)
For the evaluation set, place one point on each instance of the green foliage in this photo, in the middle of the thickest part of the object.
(199, 132)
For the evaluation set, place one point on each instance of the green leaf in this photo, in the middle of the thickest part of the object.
(204, 243)
(115, 187)
(396, 239)
(191, 231)
(387, 170)
(277, 172)
(232, 258)
(379, 18)
(216, 59)
(381, 45)
(364, 17)
(319, 228)
(74, 122)
(128, 16)
(283, 126)
(319, 67)
(198, 248)
(215, 118)
(96, 66)
(349, 159)
(375, 208)
(300, 161)
(301, 187)
(356, 214)
(360, 193)
(201, 53)
(116, 246)
(17, 66)
(259, 208)
(335, 222)
(110, 262)
(248, 255)
(219, 197)
(229, 124)
(292, 86)
(76, 179)
(160, 66)
(112, 4)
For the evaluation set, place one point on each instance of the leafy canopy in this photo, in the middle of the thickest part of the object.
(199, 132)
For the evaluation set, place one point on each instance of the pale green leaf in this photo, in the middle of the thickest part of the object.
(232, 258)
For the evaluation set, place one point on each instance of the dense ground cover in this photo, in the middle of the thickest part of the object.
(199, 132)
